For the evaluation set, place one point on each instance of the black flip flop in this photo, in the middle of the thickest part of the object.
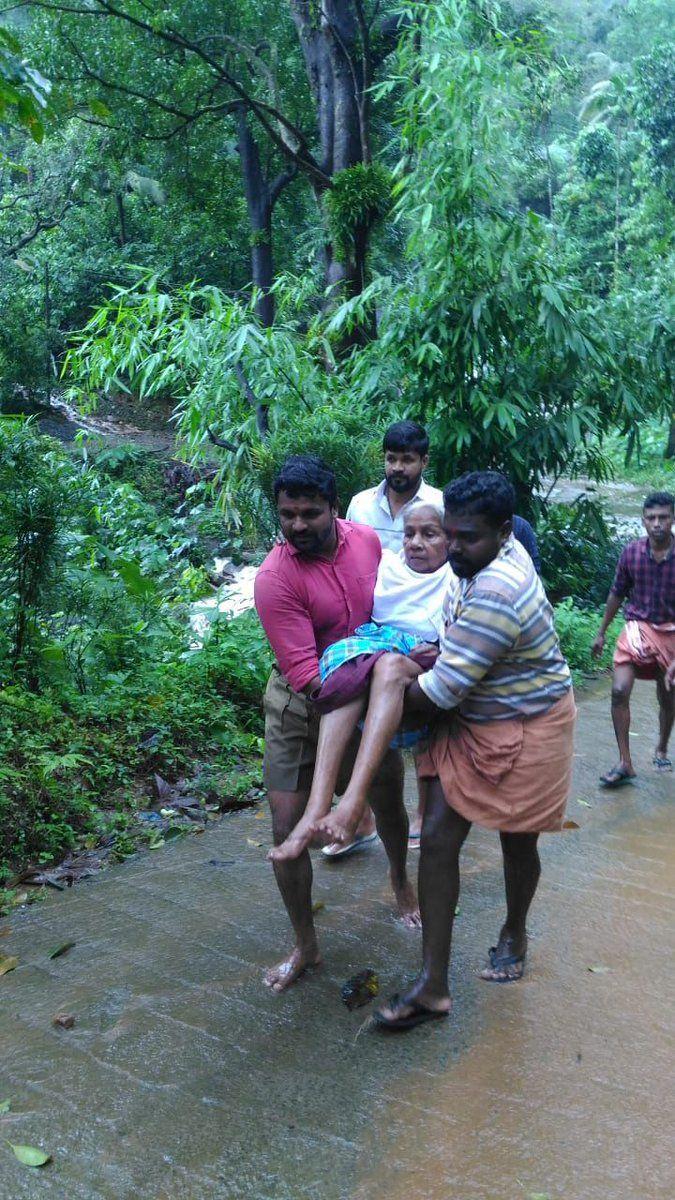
(420, 1013)
(501, 963)
(616, 778)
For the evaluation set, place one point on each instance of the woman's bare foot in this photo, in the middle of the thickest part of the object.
(298, 840)
(339, 826)
(283, 974)
(406, 902)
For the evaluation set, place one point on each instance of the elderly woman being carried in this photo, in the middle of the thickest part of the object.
(406, 619)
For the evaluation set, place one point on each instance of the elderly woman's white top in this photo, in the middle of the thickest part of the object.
(408, 600)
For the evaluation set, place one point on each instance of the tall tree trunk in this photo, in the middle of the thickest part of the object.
(670, 447)
(259, 205)
(329, 39)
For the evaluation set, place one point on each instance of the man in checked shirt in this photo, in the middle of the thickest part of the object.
(645, 578)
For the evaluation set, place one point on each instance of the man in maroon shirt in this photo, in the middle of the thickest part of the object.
(645, 577)
(312, 590)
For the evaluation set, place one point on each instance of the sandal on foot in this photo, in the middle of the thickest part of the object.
(662, 762)
(337, 850)
(414, 841)
(419, 1013)
(617, 777)
(511, 965)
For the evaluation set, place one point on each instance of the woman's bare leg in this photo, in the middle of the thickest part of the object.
(335, 732)
(385, 711)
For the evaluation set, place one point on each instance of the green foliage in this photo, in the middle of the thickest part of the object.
(24, 92)
(359, 198)
(500, 352)
(576, 627)
(36, 502)
(116, 691)
(596, 151)
(654, 109)
(347, 440)
(578, 552)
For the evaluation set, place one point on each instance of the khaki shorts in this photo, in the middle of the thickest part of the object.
(291, 736)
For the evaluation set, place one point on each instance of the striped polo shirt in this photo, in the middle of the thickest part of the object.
(500, 656)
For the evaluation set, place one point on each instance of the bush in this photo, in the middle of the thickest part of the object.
(578, 552)
(346, 440)
(576, 627)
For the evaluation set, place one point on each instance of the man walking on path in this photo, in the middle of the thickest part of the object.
(312, 590)
(645, 577)
(503, 755)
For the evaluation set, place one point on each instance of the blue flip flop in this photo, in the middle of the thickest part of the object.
(503, 963)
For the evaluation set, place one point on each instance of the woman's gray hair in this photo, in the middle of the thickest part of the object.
(436, 506)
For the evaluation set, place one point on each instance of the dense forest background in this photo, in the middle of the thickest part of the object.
(278, 225)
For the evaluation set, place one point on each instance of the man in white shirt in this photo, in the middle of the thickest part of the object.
(384, 508)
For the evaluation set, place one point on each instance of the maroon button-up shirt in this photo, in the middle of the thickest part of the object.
(306, 604)
(648, 584)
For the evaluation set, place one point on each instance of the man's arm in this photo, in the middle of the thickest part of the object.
(611, 609)
(621, 588)
(289, 630)
(487, 629)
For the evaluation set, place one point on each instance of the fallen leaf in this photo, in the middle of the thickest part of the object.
(318, 907)
(63, 1021)
(597, 969)
(7, 964)
(5, 1106)
(62, 949)
(260, 816)
(570, 825)
(584, 802)
(30, 1155)
(252, 843)
(360, 989)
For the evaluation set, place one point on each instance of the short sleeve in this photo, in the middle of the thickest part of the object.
(485, 632)
(622, 585)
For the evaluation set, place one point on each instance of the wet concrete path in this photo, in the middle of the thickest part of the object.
(184, 1079)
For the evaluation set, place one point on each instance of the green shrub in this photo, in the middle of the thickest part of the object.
(578, 552)
(349, 442)
(576, 627)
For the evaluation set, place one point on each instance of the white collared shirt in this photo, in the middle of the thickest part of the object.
(372, 508)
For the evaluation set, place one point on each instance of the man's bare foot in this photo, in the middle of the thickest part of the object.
(418, 1004)
(298, 840)
(406, 902)
(283, 974)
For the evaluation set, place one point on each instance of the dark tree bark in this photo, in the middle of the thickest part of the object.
(670, 448)
(261, 196)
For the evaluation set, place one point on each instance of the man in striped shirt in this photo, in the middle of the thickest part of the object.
(502, 752)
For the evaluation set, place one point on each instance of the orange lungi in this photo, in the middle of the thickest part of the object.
(511, 775)
(649, 649)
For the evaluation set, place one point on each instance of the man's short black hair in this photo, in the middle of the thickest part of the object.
(406, 435)
(488, 493)
(659, 500)
(306, 475)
